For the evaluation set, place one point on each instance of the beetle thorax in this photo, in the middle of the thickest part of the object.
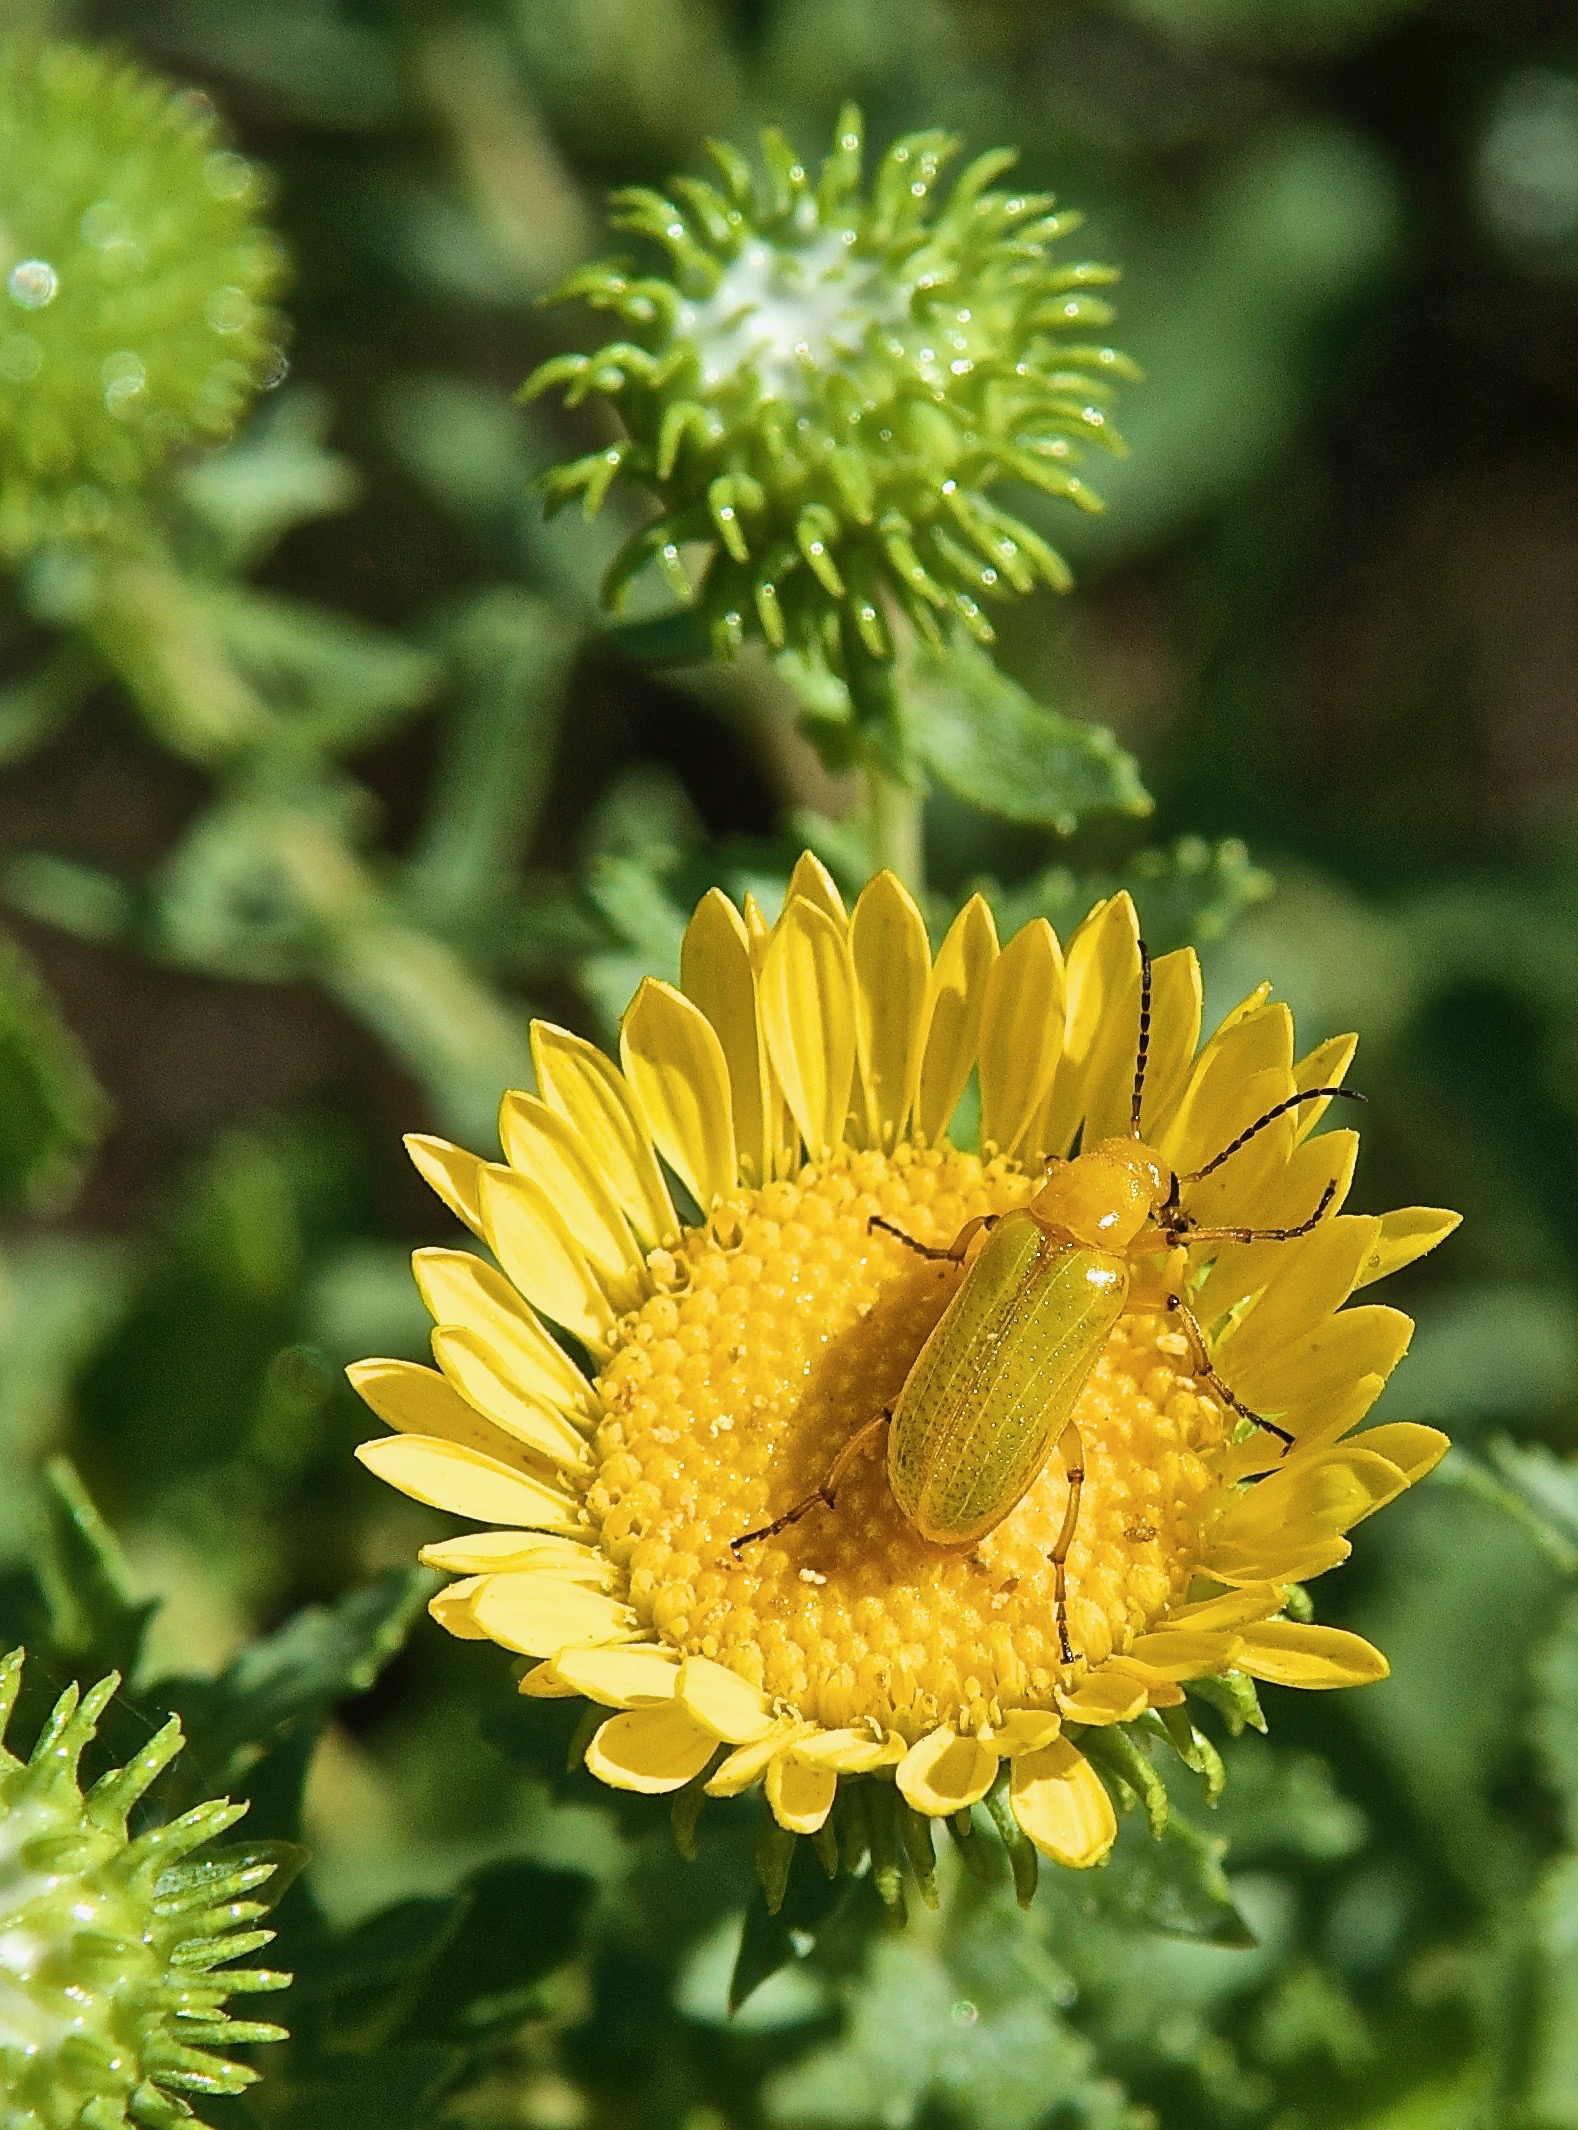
(1103, 1198)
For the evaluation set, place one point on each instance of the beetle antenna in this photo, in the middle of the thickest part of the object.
(1143, 1048)
(1279, 1109)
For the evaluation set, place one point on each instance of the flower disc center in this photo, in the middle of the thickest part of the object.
(789, 1326)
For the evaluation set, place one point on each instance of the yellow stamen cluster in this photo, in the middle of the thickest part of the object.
(729, 1398)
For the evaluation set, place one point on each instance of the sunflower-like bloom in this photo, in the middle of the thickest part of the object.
(135, 308)
(112, 1948)
(831, 382)
(799, 1084)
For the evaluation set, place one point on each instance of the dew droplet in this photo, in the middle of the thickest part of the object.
(103, 222)
(33, 284)
(227, 175)
(21, 358)
(228, 310)
(124, 377)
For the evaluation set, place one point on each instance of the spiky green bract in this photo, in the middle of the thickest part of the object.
(829, 382)
(112, 1983)
(135, 283)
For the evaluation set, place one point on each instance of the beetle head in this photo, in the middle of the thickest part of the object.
(1103, 1198)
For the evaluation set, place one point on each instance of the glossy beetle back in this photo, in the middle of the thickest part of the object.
(992, 1387)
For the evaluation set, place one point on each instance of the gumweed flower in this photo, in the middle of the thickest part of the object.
(829, 381)
(135, 284)
(707, 1283)
(113, 1947)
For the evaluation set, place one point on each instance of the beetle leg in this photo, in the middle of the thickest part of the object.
(1206, 1367)
(825, 1492)
(1183, 1230)
(1071, 1449)
(954, 1254)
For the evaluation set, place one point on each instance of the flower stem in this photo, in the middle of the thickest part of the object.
(894, 817)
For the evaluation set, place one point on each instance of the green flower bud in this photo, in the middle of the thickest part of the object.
(828, 383)
(135, 284)
(112, 1983)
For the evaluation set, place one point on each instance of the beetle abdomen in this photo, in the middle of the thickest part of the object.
(992, 1387)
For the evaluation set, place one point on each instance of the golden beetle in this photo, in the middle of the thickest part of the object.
(989, 1395)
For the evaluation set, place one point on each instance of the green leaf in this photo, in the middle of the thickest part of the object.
(1187, 895)
(811, 1902)
(1173, 1883)
(518, 1922)
(996, 746)
(96, 1625)
(513, 656)
(682, 638)
(294, 1676)
(374, 2089)
(341, 682)
(52, 1111)
(278, 476)
(1555, 1721)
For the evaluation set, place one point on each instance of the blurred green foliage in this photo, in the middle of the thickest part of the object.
(326, 773)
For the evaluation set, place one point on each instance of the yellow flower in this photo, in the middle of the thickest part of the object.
(800, 1082)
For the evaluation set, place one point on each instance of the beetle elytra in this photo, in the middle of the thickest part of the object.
(990, 1395)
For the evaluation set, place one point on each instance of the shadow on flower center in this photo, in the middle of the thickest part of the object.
(725, 1401)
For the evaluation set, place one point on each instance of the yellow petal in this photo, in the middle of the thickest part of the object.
(539, 1615)
(1278, 1556)
(749, 1763)
(1315, 1494)
(449, 1171)
(1415, 1450)
(1102, 1028)
(543, 1683)
(1021, 1035)
(1284, 1653)
(476, 1373)
(1406, 1234)
(538, 1142)
(799, 1794)
(716, 973)
(1183, 1653)
(590, 1092)
(460, 1289)
(955, 997)
(1308, 1374)
(1027, 1730)
(631, 1675)
(486, 1552)
(851, 1751)
(451, 1607)
(540, 1256)
(1245, 1068)
(724, 1703)
(447, 1476)
(1062, 1805)
(417, 1401)
(651, 1750)
(676, 1067)
(1229, 1608)
(1176, 996)
(1313, 1277)
(1325, 1066)
(892, 962)
(812, 882)
(1104, 1696)
(808, 1017)
(1238, 1269)
(946, 1773)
